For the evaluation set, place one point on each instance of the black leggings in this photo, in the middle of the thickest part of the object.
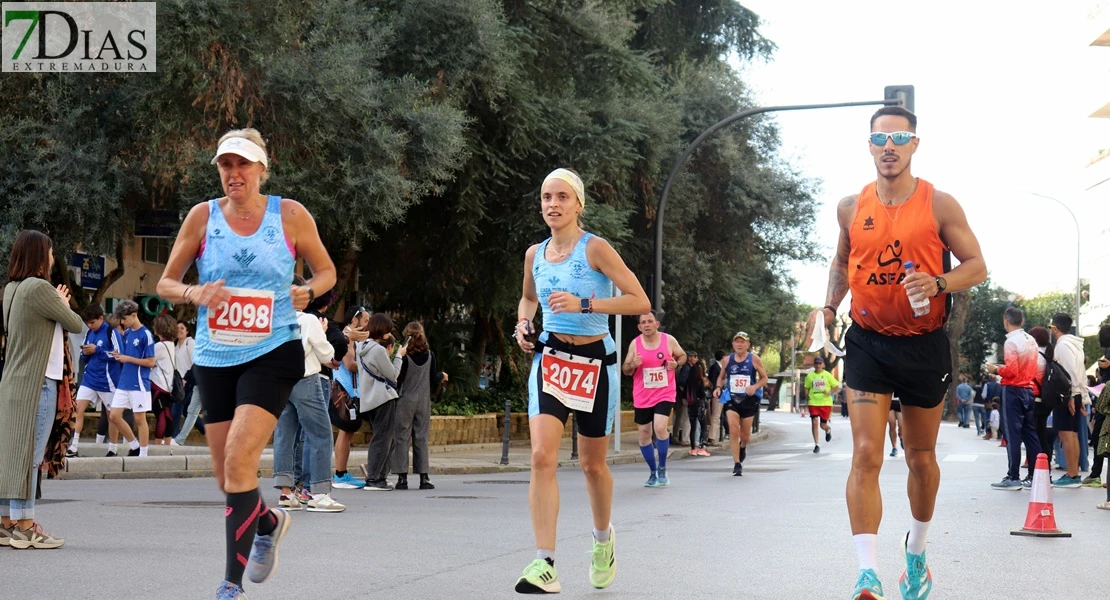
(1096, 467)
(1046, 436)
(699, 429)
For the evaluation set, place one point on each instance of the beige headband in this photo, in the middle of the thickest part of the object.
(574, 180)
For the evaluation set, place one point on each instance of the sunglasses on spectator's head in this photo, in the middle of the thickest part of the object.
(900, 138)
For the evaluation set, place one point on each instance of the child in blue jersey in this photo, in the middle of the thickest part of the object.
(97, 384)
(133, 391)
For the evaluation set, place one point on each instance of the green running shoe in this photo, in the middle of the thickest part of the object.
(539, 577)
(603, 569)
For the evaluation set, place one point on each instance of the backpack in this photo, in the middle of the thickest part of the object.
(177, 384)
(1056, 385)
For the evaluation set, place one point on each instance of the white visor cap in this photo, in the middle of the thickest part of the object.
(243, 147)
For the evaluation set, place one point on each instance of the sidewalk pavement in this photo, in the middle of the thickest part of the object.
(171, 462)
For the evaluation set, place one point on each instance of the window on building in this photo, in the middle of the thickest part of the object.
(157, 250)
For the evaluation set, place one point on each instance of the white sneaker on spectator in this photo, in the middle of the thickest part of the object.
(289, 502)
(324, 503)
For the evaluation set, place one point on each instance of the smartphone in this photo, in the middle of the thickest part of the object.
(407, 340)
(530, 334)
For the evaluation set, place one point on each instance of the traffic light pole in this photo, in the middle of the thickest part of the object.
(900, 97)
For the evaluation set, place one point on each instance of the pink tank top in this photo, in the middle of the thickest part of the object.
(652, 383)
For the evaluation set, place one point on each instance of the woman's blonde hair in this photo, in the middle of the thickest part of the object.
(250, 133)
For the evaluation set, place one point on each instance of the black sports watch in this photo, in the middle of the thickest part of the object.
(587, 306)
(941, 285)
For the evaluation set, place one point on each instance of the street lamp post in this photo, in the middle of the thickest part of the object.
(1078, 287)
(895, 96)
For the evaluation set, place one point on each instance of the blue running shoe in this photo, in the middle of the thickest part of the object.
(346, 482)
(230, 591)
(868, 586)
(917, 581)
(652, 481)
(264, 556)
(662, 480)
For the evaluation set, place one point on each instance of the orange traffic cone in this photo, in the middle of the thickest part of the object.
(1040, 521)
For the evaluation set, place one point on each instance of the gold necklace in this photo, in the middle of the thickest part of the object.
(886, 207)
(242, 216)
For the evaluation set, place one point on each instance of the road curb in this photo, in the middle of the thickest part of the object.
(196, 464)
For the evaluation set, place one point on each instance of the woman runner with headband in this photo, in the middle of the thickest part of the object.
(570, 276)
(248, 351)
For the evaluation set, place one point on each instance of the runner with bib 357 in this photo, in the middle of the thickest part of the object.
(571, 278)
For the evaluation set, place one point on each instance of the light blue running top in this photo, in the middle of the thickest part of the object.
(575, 276)
(256, 265)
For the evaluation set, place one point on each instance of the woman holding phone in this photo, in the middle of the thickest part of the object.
(570, 277)
(379, 364)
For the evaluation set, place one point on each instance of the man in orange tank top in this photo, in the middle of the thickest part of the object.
(890, 351)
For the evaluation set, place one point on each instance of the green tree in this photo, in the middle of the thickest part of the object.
(983, 327)
(417, 133)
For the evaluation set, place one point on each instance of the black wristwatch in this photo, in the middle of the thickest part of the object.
(587, 306)
(941, 285)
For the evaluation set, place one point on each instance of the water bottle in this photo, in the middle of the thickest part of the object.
(919, 302)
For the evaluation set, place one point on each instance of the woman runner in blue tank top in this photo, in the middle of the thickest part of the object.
(570, 276)
(248, 353)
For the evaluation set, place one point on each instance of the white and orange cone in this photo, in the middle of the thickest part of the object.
(1040, 520)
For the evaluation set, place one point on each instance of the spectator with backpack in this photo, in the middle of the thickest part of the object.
(1067, 415)
(1041, 409)
(344, 398)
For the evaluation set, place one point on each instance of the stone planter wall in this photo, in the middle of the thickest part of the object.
(443, 431)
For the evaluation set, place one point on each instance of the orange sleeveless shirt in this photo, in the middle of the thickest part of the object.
(882, 240)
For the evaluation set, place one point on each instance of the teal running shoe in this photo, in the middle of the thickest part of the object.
(347, 482)
(652, 481)
(868, 586)
(917, 581)
(662, 480)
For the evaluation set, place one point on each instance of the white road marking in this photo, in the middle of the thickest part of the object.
(775, 457)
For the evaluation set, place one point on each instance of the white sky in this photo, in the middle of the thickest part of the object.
(1003, 94)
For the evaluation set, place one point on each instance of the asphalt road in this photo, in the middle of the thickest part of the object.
(781, 531)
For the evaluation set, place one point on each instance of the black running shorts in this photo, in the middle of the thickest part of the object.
(746, 409)
(915, 368)
(264, 382)
(647, 415)
(595, 424)
(1063, 419)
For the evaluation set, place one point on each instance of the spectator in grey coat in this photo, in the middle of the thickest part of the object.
(379, 365)
(420, 379)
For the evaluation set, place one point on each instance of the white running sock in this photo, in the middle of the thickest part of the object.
(602, 536)
(113, 448)
(100, 438)
(142, 451)
(543, 554)
(918, 533)
(73, 443)
(867, 547)
(133, 444)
